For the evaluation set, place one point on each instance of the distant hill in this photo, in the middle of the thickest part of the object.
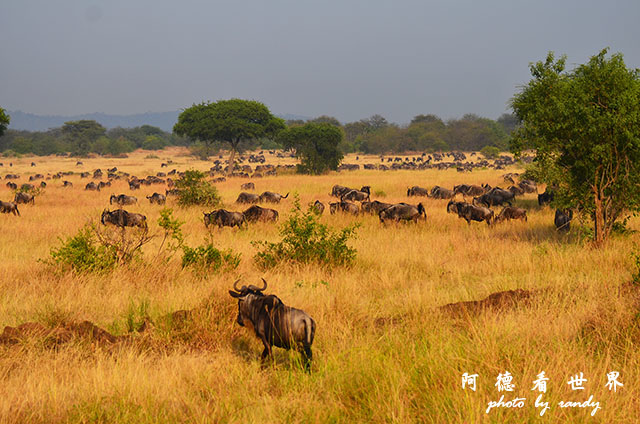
(164, 120)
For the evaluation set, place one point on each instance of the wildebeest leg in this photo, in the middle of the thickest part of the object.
(267, 349)
(307, 356)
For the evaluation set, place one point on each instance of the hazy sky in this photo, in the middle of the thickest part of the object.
(348, 59)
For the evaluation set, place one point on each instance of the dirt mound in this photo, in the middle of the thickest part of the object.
(500, 300)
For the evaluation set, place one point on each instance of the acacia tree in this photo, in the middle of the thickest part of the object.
(4, 121)
(316, 144)
(232, 121)
(584, 125)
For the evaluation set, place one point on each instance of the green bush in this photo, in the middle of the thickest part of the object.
(305, 240)
(195, 190)
(490, 152)
(208, 258)
(83, 253)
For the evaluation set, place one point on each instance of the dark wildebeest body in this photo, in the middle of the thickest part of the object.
(441, 193)
(516, 190)
(528, 186)
(9, 207)
(347, 207)
(470, 212)
(122, 199)
(224, 218)
(134, 184)
(247, 198)
(27, 187)
(274, 323)
(468, 190)
(257, 213)
(172, 192)
(417, 191)
(12, 185)
(562, 220)
(92, 186)
(157, 198)
(546, 197)
(403, 212)
(271, 197)
(248, 186)
(122, 218)
(318, 207)
(495, 197)
(374, 207)
(22, 197)
(355, 195)
(338, 190)
(511, 212)
(66, 183)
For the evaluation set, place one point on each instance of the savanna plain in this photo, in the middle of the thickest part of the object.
(384, 350)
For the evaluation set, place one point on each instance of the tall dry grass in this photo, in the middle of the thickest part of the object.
(383, 351)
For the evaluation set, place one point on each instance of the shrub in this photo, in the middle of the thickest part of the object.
(83, 253)
(490, 152)
(195, 190)
(208, 258)
(305, 240)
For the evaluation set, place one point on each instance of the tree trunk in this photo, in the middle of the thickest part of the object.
(231, 159)
(599, 233)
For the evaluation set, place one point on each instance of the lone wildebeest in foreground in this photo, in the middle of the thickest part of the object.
(9, 207)
(122, 218)
(274, 323)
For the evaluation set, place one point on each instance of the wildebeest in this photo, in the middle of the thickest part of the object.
(417, 191)
(516, 190)
(274, 323)
(27, 187)
(355, 195)
(248, 186)
(347, 207)
(338, 190)
(470, 212)
(67, 184)
(122, 218)
(468, 190)
(9, 207)
(245, 197)
(511, 212)
(528, 186)
(224, 218)
(257, 213)
(495, 197)
(157, 198)
(43, 184)
(12, 185)
(403, 212)
(92, 186)
(103, 184)
(172, 192)
(123, 199)
(562, 220)
(271, 197)
(318, 207)
(22, 197)
(546, 197)
(134, 184)
(438, 192)
(374, 207)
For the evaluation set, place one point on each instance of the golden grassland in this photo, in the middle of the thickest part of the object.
(383, 350)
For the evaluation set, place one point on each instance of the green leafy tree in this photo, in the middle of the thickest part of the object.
(4, 121)
(81, 134)
(583, 125)
(316, 145)
(194, 189)
(324, 119)
(231, 121)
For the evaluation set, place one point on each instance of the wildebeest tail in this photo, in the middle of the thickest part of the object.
(421, 210)
(310, 330)
(284, 197)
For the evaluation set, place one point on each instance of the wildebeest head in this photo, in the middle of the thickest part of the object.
(246, 295)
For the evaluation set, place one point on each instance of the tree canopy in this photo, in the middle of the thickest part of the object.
(584, 127)
(232, 121)
(4, 121)
(316, 145)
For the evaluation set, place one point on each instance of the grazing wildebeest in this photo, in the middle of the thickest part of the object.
(348, 207)
(318, 207)
(224, 218)
(562, 220)
(257, 213)
(274, 323)
(495, 197)
(103, 184)
(470, 212)
(12, 185)
(516, 190)
(123, 199)
(247, 198)
(438, 192)
(22, 197)
(417, 191)
(27, 187)
(9, 207)
(546, 197)
(157, 198)
(271, 197)
(403, 212)
(66, 183)
(172, 192)
(468, 190)
(374, 207)
(339, 190)
(134, 185)
(511, 212)
(248, 186)
(122, 218)
(92, 186)
(528, 186)
(355, 195)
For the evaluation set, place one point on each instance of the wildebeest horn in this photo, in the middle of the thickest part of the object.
(235, 285)
(265, 284)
